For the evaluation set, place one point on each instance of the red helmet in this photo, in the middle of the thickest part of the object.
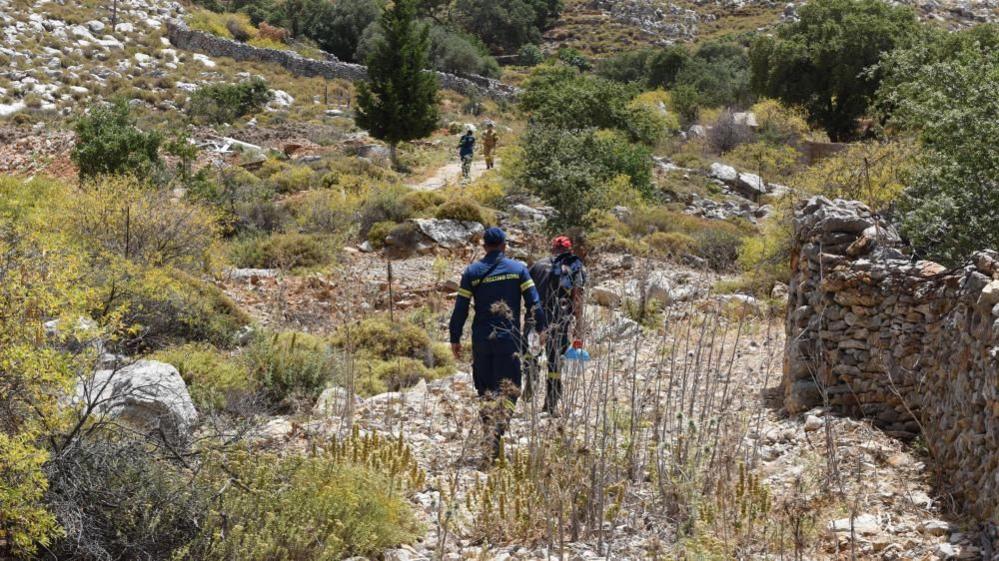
(561, 243)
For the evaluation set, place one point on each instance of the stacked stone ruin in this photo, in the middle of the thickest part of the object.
(912, 345)
(183, 37)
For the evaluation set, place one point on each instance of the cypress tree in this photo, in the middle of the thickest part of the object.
(399, 102)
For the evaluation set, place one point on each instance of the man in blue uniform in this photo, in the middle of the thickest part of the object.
(497, 285)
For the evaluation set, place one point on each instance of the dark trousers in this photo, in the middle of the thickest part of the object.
(494, 361)
(555, 348)
(496, 374)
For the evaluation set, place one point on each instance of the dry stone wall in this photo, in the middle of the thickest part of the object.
(183, 37)
(910, 344)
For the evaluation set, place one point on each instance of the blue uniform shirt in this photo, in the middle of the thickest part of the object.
(497, 299)
(466, 145)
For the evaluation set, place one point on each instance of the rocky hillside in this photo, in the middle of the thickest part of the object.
(224, 306)
(602, 27)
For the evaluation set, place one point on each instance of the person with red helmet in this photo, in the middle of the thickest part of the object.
(559, 279)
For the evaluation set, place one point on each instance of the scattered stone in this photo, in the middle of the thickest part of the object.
(204, 60)
(945, 551)
(779, 291)
(863, 524)
(935, 527)
(281, 100)
(813, 423)
(605, 295)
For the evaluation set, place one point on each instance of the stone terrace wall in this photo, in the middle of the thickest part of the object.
(188, 39)
(913, 346)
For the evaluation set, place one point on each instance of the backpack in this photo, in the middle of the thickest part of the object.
(567, 272)
(555, 278)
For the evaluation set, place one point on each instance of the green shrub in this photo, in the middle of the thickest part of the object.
(236, 26)
(378, 376)
(670, 244)
(687, 103)
(574, 58)
(292, 367)
(579, 171)
(347, 502)
(237, 30)
(653, 68)
(488, 190)
(530, 55)
(773, 162)
(379, 231)
(423, 201)
(461, 209)
(455, 52)
(719, 73)
(25, 523)
(108, 142)
(294, 179)
(719, 244)
(663, 230)
(216, 380)
(562, 97)
(648, 118)
(129, 219)
(224, 103)
(324, 211)
(387, 340)
(162, 306)
(245, 203)
(395, 355)
(283, 251)
(384, 204)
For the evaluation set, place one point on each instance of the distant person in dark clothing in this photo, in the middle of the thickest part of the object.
(466, 151)
(560, 279)
(497, 285)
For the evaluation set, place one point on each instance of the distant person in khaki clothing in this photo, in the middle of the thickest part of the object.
(489, 140)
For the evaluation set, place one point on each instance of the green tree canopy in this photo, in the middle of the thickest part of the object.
(108, 142)
(945, 90)
(819, 62)
(579, 171)
(337, 27)
(399, 103)
(560, 96)
(503, 24)
(451, 50)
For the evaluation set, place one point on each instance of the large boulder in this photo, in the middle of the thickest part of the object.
(448, 233)
(722, 172)
(147, 393)
(750, 185)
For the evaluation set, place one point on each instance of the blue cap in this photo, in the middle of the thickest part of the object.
(493, 236)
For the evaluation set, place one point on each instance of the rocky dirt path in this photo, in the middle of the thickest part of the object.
(852, 491)
(449, 174)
